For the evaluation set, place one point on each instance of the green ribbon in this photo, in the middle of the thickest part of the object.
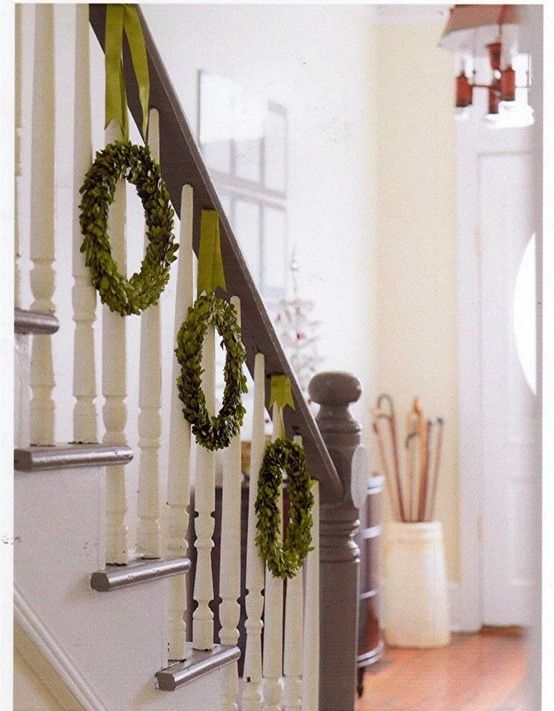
(281, 392)
(281, 395)
(124, 19)
(210, 262)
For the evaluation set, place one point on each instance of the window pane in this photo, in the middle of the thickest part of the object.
(525, 325)
(246, 224)
(249, 117)
(216, 121)
(274, 272)
(275, 150)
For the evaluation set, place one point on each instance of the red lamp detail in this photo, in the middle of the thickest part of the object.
(465, 24)
(495, 53)
(508, 85)
(464, 91)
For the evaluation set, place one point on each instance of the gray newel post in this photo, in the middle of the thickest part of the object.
(339, 554)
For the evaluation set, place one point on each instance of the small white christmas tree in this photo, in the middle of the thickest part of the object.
(297, 332)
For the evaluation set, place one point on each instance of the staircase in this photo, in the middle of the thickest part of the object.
(108, 615)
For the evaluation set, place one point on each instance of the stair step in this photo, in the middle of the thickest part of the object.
(34, 322)
(199, 664)
(65, 456)
(114, 577)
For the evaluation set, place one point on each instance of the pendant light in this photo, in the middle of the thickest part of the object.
(484, 30)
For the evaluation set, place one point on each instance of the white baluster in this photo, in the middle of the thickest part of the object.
(204, 501)
(178, 486)
(84, 294)
(252, 675)
(311, 615)
(149, 422)
(18, 154)
(42, 222)
(294, 639)
(273, 613)
(114, 383)
(229, 570)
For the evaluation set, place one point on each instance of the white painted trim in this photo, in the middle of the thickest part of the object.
(40, 635)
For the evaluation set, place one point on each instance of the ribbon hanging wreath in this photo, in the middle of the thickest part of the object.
(284, 560)
(211, 432)
(120, 20)
(123, 160)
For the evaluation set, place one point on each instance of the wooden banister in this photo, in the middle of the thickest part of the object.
(339, 554)
(181, 163)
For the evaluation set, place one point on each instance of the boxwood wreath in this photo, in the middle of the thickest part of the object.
(285, 560)
(212, 432)
(135, 164)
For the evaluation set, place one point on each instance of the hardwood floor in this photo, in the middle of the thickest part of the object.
(477, 672)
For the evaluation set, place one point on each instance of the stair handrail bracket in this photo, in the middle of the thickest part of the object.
(181, 163)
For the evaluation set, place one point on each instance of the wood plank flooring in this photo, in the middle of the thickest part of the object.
(477, 672)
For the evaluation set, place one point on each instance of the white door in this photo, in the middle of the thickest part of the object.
(510, 423)
(497, 207)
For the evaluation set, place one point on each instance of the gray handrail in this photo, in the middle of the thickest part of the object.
(181, 163)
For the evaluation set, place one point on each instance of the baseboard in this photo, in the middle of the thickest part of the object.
(54, 655)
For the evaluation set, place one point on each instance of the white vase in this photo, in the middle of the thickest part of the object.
(415, 592)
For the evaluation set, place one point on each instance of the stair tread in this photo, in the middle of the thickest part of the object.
(199, 664)
(115, 577)
(64, 456)
(34, 322)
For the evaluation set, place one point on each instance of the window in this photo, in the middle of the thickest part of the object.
(243, 139)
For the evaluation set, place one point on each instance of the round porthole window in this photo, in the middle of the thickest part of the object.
(525, 324)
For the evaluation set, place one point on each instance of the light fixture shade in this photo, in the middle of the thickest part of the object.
(471, 27)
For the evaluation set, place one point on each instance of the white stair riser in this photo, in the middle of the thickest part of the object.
(115, 641)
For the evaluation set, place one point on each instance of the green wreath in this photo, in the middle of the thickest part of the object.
(135, 164)
(285, 560)
(211, 432)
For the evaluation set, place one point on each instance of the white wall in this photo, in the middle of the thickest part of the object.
(317, 60)
(416, 336)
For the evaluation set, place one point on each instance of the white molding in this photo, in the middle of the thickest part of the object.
(40, 635)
